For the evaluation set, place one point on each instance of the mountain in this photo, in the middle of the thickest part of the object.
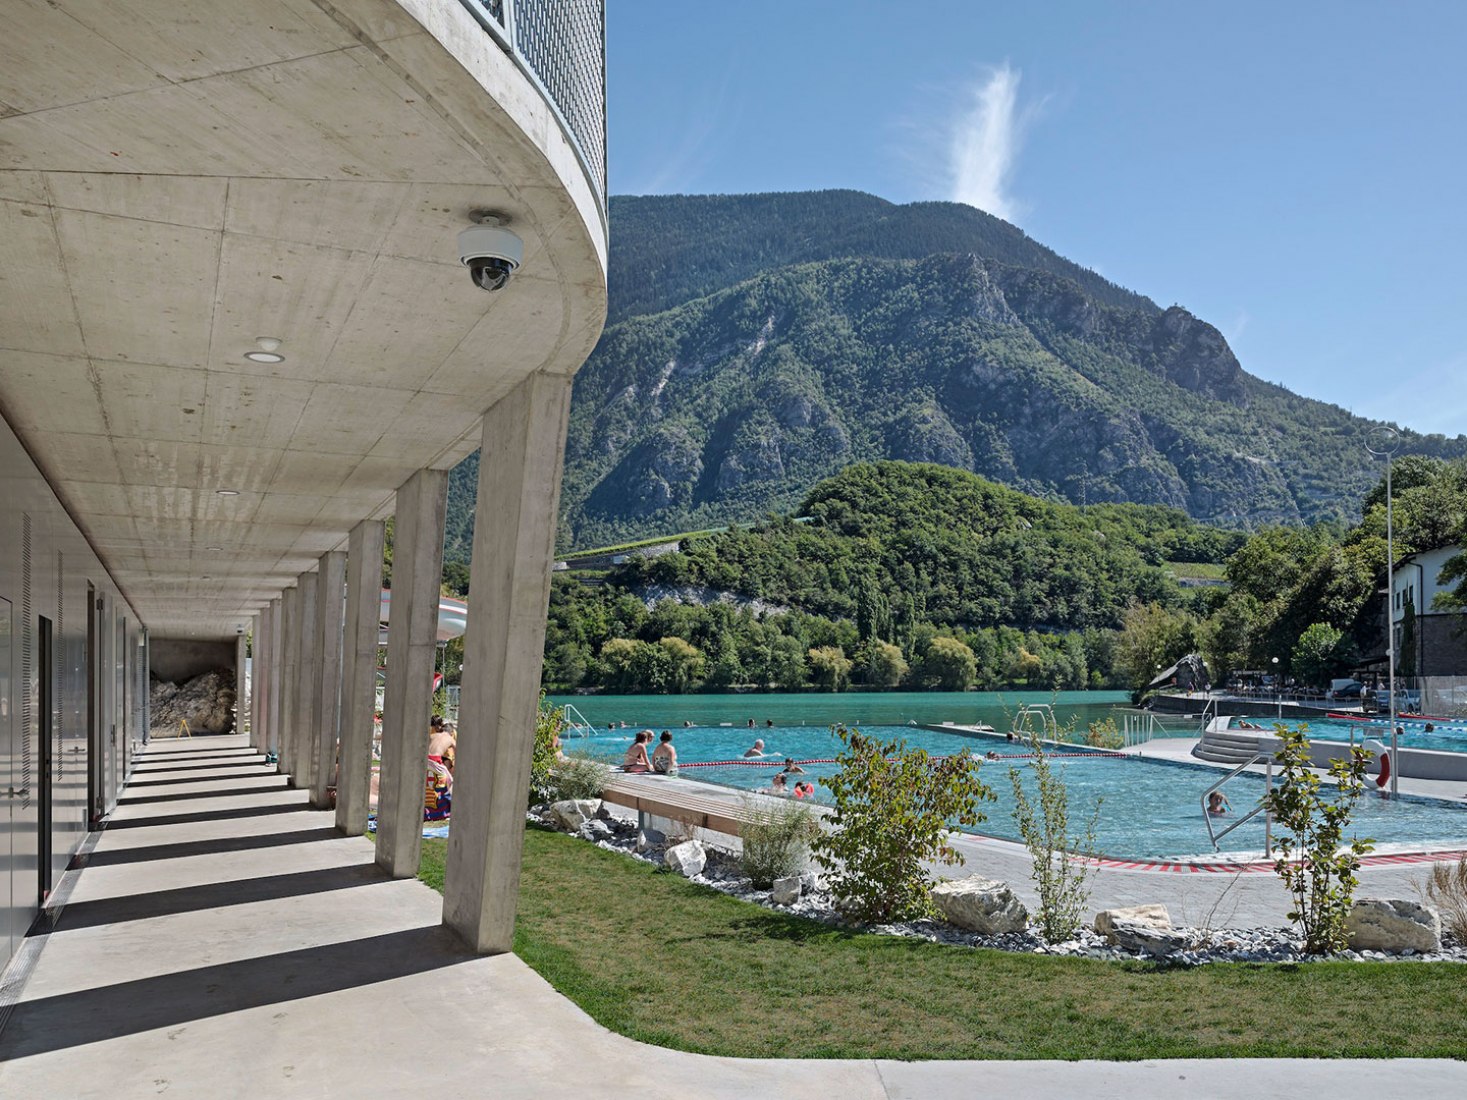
(761, 343)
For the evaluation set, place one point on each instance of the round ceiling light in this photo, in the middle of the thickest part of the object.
(268, 351)
(226, 492)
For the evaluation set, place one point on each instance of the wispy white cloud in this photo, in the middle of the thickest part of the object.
(987, 136)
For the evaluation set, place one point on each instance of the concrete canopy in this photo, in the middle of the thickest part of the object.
(180, 180)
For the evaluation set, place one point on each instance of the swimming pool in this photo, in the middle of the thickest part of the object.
(1149, 808)
(1446, 736)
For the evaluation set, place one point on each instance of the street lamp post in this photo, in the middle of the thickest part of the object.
(1382, 442)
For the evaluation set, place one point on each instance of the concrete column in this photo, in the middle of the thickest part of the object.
(256, 666)
(308, 693)
(514, 547)
(359, 674)
(328, 705)
(274, 689)
(417, 573)
(290, 666)
(241, 684)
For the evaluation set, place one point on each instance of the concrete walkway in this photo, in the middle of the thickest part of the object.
(222, 940)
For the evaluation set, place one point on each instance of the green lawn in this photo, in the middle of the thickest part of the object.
(659, 959)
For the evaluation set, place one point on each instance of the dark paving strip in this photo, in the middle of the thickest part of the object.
(167, 1000)
(214, 815)
(214, 846)
(131, 783)
(190, 757)
(152, 798)
(216, 895)
(170, 768)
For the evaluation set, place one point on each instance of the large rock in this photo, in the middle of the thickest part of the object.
(687, 859)
(1142, 938)
(980, 905)
(1393, 925)
(1153, 916)
(572, 813)
(206, 703)
(786, 891)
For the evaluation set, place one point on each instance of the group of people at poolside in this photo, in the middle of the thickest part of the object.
(663, 758)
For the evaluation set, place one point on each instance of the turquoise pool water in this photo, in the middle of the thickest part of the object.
(894, 708)
(1149, 809)
(1448, 736)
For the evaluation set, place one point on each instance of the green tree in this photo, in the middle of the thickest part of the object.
(881, 664)
(684, 663)
(1044, 823)
(830, 668)
(1316, 654)
(1152, 637)
(949, 664)
(894, 806)
(787, 663)
(1316, 865)
(1407, 666)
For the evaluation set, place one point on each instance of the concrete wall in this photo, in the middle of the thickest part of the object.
(180, 659)
(74, 713)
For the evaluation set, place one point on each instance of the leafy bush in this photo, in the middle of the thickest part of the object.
(776, 836)
(578, 777)
(1104, 735)
(550, 723)
(1446, 888)
(1045, 827)
(893, 809)
(1313, 861)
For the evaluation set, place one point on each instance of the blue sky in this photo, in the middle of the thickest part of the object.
(1294, 173)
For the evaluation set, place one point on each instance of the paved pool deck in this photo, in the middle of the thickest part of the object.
(223, 940)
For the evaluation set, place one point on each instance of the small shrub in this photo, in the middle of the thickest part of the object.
(578, 777)
(777, 837)
(893, 809)
(1446, 888)
(550, 723)
(1104, 735)
(1045, 826)
(1321, 875)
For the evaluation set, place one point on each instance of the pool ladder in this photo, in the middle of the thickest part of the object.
(1266, 759)
(576, 722)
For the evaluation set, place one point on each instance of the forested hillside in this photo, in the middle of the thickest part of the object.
(902, 574)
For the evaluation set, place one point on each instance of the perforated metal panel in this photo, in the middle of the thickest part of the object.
(562, 44)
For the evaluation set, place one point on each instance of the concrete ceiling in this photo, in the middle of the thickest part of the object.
(178, 180)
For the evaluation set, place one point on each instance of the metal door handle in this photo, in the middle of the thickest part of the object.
(13, 793)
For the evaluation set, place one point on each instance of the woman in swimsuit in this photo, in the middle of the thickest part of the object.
(664, 756)
(636, 758)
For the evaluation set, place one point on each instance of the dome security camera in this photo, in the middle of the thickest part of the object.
(490, 252)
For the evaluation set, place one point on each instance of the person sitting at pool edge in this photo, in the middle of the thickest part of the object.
(636, 758)
(1217, 803)
(756, 750)
(664, 756)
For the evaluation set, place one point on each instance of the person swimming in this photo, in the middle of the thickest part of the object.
(757, 749)
(1217, 803)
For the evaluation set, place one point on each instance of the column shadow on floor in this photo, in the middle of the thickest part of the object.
(216, 895)
(149, 799)
(132, 783)
(108, 1012)
(215, 815)
(213, 846)
(153, 757)
(140, 770)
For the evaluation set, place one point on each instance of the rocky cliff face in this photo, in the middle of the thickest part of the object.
(841, 328)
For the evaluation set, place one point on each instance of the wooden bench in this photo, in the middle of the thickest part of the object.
(659, 799)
